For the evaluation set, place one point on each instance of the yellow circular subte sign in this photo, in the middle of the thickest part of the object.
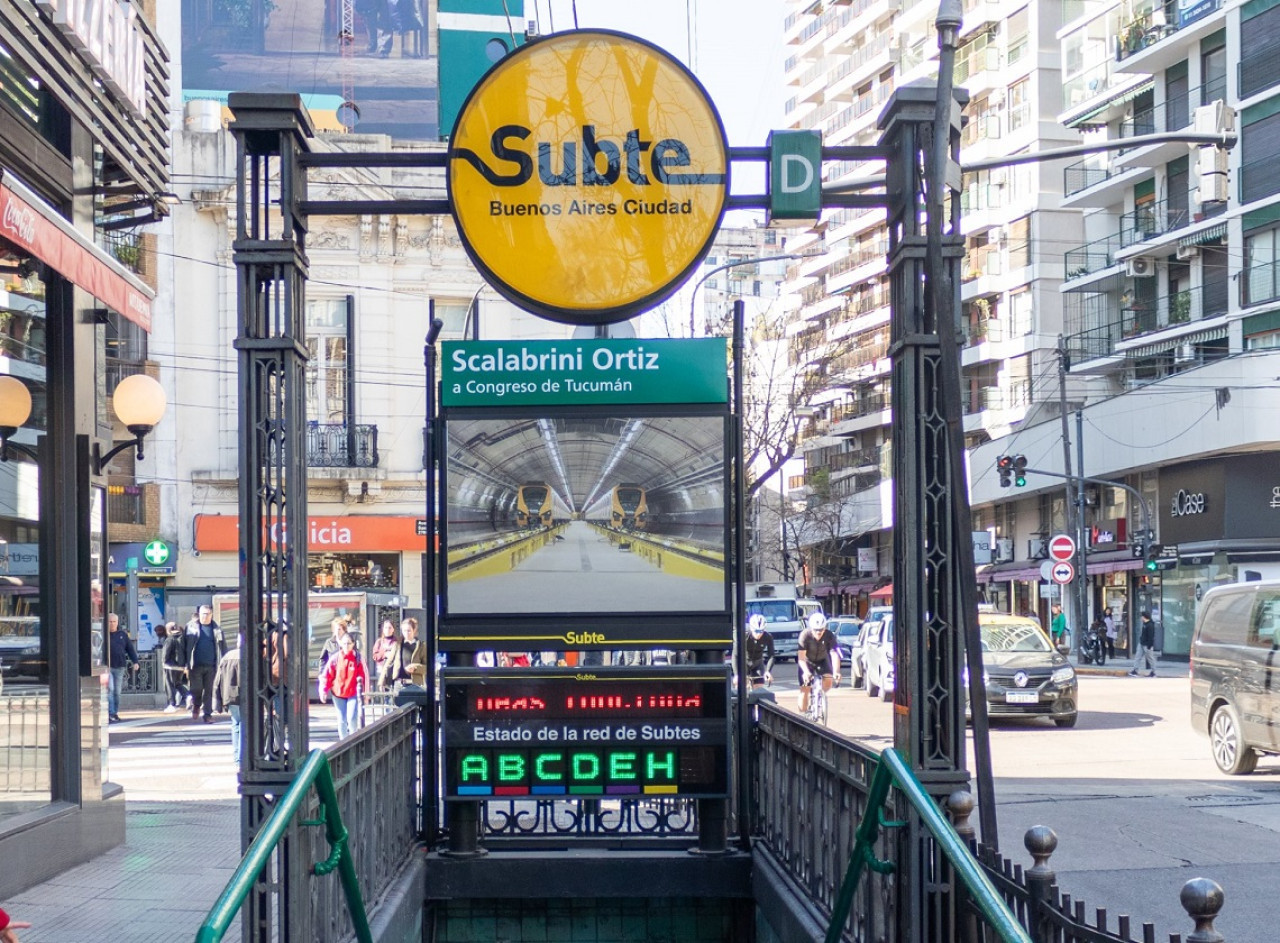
(588, 174)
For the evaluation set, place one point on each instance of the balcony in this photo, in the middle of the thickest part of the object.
(1151, 220)
(1183, 307)
(338, 445)
(1091, 258)
(857, 408)
(1146, 30)
(1014, 396)
(1260, 284)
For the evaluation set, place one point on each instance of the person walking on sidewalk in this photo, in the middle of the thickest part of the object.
(205, 648)
(121, 656)
(344, 676)
(1058, 625)
(1109, 620)
(173, 654)
(1144, 656)
(226, 694)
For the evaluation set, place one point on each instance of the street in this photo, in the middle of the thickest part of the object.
(1133, 795)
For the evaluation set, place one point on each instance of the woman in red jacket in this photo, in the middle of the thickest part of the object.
(344, 676)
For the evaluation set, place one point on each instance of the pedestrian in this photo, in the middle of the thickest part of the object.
(337, 629)
(1112, 633)
(344, 676)
(226, 693)
(407, 662)
(383, 647)
(173, 655)
(1144, 653)
(120, 656)
(205, 648)
(1058, 625)
(9, 927)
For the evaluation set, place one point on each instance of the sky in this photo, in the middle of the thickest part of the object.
(736, 49)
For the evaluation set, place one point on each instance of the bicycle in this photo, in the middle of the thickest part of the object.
(817, 699)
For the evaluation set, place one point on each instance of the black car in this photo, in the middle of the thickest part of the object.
(1023, 673)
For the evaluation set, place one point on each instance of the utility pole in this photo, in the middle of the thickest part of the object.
(1074, 612)
(1081, 583)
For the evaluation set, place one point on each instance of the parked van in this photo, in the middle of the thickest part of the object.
(1235, 673)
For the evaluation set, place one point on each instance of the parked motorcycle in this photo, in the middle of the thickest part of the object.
(1093, 646)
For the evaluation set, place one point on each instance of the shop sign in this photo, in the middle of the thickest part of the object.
(1186, 503)
(20, 559)
(153, 558)
(53, 241)
(107, 35)
(578, 373)
(588, 174)
(362, 534)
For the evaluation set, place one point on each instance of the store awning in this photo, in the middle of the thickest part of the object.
(884, 592)
(1206, 235)
(1116, 96)
(1021, 571)
(1103, 567)
(1171, 343)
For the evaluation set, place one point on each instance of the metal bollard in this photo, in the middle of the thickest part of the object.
(1041, 842)
(960, 804)
(1202, 899)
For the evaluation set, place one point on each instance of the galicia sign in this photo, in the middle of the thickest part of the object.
(588, 174)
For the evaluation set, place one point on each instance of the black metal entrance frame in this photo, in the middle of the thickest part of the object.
(273, 135)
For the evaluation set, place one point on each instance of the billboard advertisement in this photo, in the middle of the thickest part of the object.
(371, 52)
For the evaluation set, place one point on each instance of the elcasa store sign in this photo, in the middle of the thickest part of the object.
(363, 534)
(588, 174)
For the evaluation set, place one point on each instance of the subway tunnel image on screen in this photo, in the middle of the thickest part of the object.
(585, 514)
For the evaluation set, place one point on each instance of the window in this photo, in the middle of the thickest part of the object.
(1020, 105)
(327, 364)
(1213, 74)
(1260, 266)
(1226, 619)
(1259, 38)
(1266, 621)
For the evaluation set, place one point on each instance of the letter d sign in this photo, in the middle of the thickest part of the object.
(795, 177)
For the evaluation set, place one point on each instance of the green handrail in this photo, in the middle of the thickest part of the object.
(314, 772)
(892, 771)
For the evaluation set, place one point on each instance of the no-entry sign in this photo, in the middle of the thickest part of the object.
(1062, 548)
(1063, 572)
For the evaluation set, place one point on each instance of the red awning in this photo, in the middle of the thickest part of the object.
(884, 592)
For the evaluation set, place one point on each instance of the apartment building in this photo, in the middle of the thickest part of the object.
(845, 60)
(1171, 307)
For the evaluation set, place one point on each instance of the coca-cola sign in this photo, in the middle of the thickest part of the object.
(19, 222)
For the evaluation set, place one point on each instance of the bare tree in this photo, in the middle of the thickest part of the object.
(828, 533)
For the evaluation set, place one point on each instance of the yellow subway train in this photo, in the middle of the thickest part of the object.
(630, 508)
(533, 505)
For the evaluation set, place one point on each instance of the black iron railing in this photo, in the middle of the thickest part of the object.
(1260, 284)
(1084, 174)
(812, 792)
(338, 445)
(1093, 257)
(1152, 219)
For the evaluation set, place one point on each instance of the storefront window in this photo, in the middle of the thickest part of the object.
(1180, 595)
(354, 570)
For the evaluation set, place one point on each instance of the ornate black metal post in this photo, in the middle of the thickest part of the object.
(272, 131)
(427, 712)
(929, 547)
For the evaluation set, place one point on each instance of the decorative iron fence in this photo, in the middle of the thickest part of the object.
(533, 822)
(338, 445)
(812, 790)
(149, 678)
(375, 772)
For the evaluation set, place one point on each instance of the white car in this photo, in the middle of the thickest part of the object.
(878, 656)
(848, 632)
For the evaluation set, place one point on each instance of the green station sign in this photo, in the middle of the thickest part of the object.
(584, 372)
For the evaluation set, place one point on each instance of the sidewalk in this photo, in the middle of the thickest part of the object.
(182, 841)
(1119, 668)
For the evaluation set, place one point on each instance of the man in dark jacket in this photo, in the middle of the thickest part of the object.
(120, 655)
(1144, 656)
(205, 648)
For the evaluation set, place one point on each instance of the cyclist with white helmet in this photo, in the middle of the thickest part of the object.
(759, 651)
(816, 654)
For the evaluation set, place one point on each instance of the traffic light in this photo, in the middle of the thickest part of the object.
(1004, 465)
(1020, 471)
(1138, 547)
(1149, 561)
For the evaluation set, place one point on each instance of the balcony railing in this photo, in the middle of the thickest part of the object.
(1174, 114)
(1259, 284)
(856, 409)
(1146, 30)
(126, 504)
(338, 445)
(1092, 257)
(1152, 219)
(1084, 174)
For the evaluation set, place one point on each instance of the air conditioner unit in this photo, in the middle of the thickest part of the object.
(1187, 252)
(1004, 550)
(998, 176)
(1140, 268)
(996, 235)
(1037, 549)
(1184, 353)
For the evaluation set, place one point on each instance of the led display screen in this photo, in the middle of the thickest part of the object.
(585, 514)
(617, 732)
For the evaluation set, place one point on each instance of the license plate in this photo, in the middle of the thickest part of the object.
(1022, 697)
